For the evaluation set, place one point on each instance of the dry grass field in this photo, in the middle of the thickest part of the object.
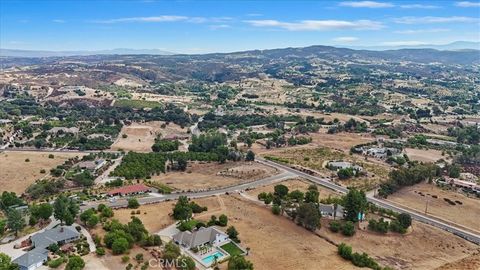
(141, 136)
(213, 175)
(425, 247)
(430, 155)
(276, 243)
(467, 263)
(16, 174)
(415, 197)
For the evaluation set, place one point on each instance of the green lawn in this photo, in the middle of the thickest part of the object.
(136, 104)
(232, 249)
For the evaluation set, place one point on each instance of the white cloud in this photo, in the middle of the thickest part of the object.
(421, 31)
(404, 43)
(219, 26)
(58, 21)
(318, 25)
(164, 18)
(431, 19)
(419, 6)
(467, 4)
(345, 39)
(366, 4)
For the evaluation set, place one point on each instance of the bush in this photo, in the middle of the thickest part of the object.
(125, 259)
(348, 229)
(133, 203)
(276, 209)
(75, 263)
(380, 226)
(335, 226)
(139, 257)
(405, 220)
(345, 251)
(51, 156)
(119, 246)
(55, 263)
(100, 251)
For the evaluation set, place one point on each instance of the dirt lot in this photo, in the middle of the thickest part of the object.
(16, 174)
(422, 155)
(213, 175)
(425, 247)
(141, 136)
(466, 214)
(276, 243)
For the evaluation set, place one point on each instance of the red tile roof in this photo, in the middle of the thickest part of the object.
(129, 189)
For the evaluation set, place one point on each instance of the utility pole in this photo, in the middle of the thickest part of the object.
(426, 206)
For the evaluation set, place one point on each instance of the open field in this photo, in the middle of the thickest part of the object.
(424, 247)
(422, 155)
(141, 136)
(16, 174)
(467, 263)
(213, 175)
(276, 243)
(156, 217)
(466, 214)
(293, 184)
(316, 159)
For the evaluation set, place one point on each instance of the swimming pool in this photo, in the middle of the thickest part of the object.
(210, 258)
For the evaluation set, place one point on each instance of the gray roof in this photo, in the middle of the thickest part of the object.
(196, 238)
(55, 235)
(31, 258)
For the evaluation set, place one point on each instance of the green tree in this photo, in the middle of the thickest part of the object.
(280, 190)
(6, 263)
(250, 156)
(355, 203)
(238, 262)
(232, 233)
(276, 209)
(308, 216)
(312, 194)
(65, 210)
(43, 211)
(15, 221)
(182, 209)
(222, 220)
(86, 215)
(133, 203)
(75, 263)
(172, 252)
(120, 246)
(93, 221)
(405, 220)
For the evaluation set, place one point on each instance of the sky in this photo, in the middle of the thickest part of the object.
(225, 26)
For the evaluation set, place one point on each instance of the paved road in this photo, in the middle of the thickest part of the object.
(456, 230)
(121, 202)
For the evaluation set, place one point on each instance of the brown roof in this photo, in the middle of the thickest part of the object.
(129, 189)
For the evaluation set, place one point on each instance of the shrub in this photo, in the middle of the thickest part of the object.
(120, 245)
(335, 226)
(276, 209)
(55, 263)
(405, 220)
(100, 251)
(125, 259)
(348, 229)
(133, 203)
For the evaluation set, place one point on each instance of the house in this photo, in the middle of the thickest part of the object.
(91, 165)
(39, 254)
(31, 260)
(129, 190)
(55, 130)
(201, 237)
(330, 211)
(337, 165)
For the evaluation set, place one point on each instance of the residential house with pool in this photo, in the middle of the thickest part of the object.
(207, 245)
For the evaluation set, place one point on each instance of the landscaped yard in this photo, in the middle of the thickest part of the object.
(232, 249)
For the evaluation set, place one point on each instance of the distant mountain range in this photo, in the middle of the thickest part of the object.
(454, 46)
(119, 51)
